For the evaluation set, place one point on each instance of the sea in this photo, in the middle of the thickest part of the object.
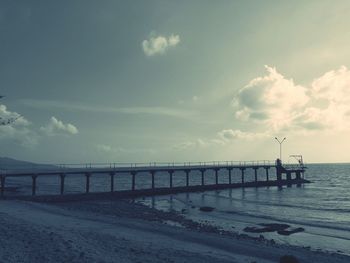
(321, 208)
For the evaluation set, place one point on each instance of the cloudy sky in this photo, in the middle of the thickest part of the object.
(159, 80)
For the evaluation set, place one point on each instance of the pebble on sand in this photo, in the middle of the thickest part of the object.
(288, 259)
(206, 208)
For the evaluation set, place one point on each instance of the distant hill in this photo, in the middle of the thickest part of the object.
(13, 164)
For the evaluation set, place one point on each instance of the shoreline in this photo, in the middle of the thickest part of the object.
(230, 216)
(144, 233)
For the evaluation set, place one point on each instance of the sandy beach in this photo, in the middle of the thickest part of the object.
(124, 231)
(166, 131)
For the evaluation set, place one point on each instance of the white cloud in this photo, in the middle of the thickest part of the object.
(8, 115)
(20, 135)
(108, 149)
(76, 106)
(173, 40)
(159, 44)
(104, 148)
(57, 127)
(333, 86)
(229, 135)
(18, 131)
(184, 145)
(279, 104)
(272, 98)
(222, 138)
(198, 143)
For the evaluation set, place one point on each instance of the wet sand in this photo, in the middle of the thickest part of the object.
(124, 231)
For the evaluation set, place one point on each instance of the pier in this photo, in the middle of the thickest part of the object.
(226, 175)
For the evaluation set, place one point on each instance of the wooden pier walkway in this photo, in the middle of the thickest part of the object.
(166, 169)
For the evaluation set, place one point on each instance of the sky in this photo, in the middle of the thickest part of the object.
(159, 80)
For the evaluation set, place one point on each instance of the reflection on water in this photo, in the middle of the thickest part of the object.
(239, 208)
(322, 208)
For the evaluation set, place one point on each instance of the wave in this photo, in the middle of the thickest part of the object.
(291, 221)
(268, 203)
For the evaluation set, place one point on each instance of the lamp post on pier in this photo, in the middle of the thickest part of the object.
(280, 143)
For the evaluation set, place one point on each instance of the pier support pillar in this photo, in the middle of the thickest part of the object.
(230, 175)
(202, 175)
(298, 177)
(267, 174)
(152, 174)
(279, 176)
(242, 174)
(256, 175)
(171, 179)
(279, 170)
(216, 177)
(187, 177)
(87, 186)
(2, 180)
(289, 179)
(34, 184)
(133, 180)
(112, 181)
(62, 176)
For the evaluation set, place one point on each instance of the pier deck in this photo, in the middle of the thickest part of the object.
(166, 169)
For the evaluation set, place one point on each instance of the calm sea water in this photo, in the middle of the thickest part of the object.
(322, 207)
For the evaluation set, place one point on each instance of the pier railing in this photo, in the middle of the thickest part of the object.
(169, 164)
(294, 166)
(122, 165)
